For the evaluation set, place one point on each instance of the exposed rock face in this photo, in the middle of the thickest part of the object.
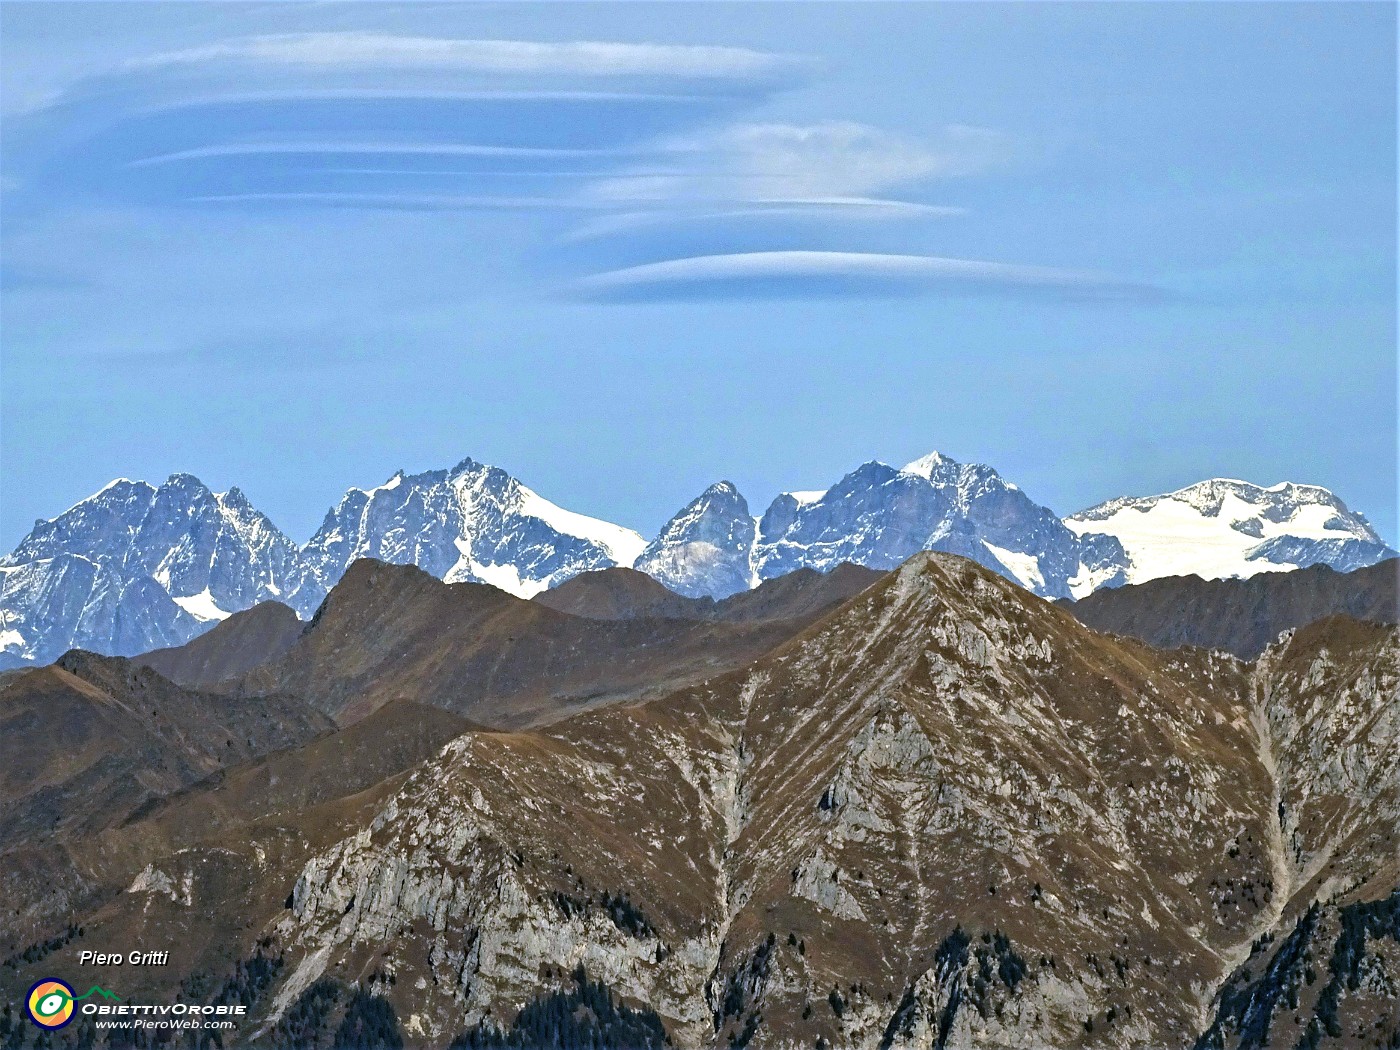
(1344, 555)
(705, 550)
(947, 815)
(1241, 616)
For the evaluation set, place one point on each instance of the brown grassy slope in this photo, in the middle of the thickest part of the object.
(91, 738)
(621, 594)
(283, 803)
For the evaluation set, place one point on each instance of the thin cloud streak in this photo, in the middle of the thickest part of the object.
(401, 201)
(427, 149)
(371, 51)
(812, 209)
(793, 272)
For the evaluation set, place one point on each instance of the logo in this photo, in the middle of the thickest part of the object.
(50, 1002)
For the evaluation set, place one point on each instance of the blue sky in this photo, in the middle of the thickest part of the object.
(626, 250)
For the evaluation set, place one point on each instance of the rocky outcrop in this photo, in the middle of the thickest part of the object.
(705, 550)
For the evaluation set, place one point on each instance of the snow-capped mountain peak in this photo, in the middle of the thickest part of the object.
(472, 523)
(966, 478)
(623, 545)
(927, 466)
(879, 515)
(133, 567)
(1224, 527)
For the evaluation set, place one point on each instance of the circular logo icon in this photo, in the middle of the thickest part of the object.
(50, 1003)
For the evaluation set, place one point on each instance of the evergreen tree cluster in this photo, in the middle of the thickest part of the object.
(626, 916)
(331, 1016)
(1360, 922)
(619, 908)
(250, 980)
(744, 983)
(37, 952)
(307, 1020)
(586, 1017)
(370, 1023)
(12, 1028)
(996, 960)
(1247, 1004)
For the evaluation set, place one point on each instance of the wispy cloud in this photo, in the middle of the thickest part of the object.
(817, 209)
(814, 162)
(369, 149)
(400, 201)
(586, 58)
(640, 147)
(800, 273)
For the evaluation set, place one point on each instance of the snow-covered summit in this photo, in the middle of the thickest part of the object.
(943, 470)
(1223, 527)
(879, 515)
(471, 523)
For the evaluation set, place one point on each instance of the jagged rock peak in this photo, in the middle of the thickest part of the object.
(705, 550)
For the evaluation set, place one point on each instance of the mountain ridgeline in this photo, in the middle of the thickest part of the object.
(137, 567)
(1241, 616)
(855, 809)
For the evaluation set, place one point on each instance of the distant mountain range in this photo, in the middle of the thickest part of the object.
(136, 567)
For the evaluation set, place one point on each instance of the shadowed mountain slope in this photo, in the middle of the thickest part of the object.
(1240, 616)
(626, 594)
(620, 593)
(231, 648)
(805, 592)
(91, 738)
(390, 632)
